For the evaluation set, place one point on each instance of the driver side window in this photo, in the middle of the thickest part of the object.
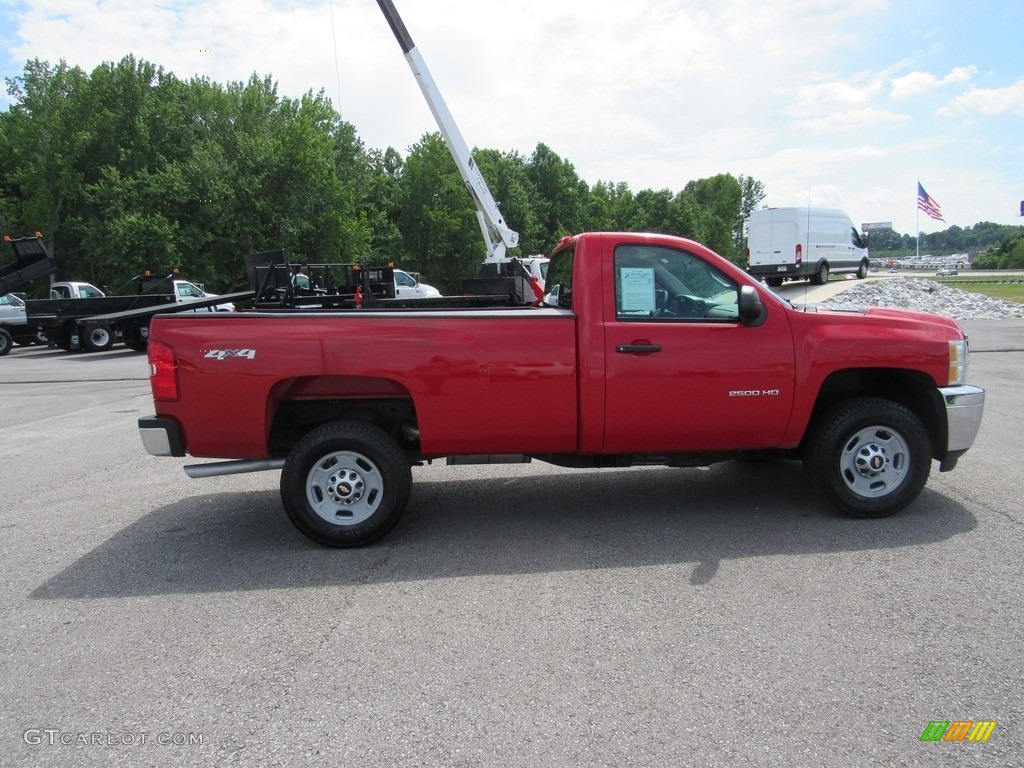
(664, 284)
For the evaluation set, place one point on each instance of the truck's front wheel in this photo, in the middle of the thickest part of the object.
(6, 342)
(869, 457)
(346, 484)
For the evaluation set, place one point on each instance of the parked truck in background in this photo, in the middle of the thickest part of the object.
(794, 243)
(182, 290)
(79, 315)
(408, 286)
(14, 325)
(32, 261)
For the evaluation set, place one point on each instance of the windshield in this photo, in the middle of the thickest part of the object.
(9, 299)
(189, 291)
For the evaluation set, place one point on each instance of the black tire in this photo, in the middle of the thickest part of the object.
(869, 457)
(862, 270)
(820, 277)
(136, 345)
(6, 342)
(346, 484)
(29, 339)
(773, 282)
(98, 338)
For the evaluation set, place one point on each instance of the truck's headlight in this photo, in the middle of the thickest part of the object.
(957, 362)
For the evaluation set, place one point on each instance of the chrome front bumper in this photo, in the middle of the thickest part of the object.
(964, 407)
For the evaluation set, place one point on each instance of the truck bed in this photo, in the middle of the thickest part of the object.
(40, 310)
(476, 387)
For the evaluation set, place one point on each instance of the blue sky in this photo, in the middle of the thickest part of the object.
(836, 102)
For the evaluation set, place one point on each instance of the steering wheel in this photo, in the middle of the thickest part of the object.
(687, 306)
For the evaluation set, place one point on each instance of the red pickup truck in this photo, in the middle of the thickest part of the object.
(648, 349)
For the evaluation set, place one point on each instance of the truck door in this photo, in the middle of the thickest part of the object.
(684, 373)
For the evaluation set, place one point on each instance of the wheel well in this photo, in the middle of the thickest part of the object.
(293, 419)
(915, 391)
(298, 405)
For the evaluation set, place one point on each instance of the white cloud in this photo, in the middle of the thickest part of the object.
(917, 83)
(852, 120)
(988, 101)
(822, 97)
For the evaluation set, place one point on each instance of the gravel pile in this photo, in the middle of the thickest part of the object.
(925, 296)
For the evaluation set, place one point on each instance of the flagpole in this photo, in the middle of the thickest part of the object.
(917, 235)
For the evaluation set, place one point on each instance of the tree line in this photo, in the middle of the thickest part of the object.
(129, 168)
(996, 244)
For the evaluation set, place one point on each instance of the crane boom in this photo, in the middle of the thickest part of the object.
(498, 237)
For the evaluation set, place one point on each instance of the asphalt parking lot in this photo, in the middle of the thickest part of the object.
(518, 616)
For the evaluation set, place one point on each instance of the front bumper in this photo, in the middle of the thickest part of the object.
(964, 407)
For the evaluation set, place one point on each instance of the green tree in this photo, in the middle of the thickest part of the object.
(610, 207)
(721, 196)
(559, 196)
(46, 147)
(380, 204)
(438, 221)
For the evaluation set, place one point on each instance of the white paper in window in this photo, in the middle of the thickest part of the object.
(637, 289)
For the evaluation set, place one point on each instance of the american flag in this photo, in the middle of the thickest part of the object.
(928, 204)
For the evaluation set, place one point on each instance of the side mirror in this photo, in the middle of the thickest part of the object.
(751, 307)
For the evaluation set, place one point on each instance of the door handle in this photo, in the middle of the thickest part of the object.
(637, 349)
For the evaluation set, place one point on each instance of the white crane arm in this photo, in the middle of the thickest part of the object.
(498, 237)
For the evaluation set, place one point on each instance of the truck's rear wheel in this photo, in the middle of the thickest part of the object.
(869, 457)
(28, 339)
(820, 277)
(773, 282)
(346, 484)
(98, 339)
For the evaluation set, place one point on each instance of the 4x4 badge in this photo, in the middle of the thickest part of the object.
(223, 354)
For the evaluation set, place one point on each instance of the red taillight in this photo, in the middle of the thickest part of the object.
(163, 372)
(799, 254)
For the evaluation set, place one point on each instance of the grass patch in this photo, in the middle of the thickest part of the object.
(1004, 291)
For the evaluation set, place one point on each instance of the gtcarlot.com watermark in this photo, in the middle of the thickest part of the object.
(52, 737)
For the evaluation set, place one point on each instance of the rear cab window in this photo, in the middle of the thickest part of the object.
(558, 281)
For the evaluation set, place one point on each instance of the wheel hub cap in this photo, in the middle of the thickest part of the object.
(345, 487)
(871, 460)
(875, 461)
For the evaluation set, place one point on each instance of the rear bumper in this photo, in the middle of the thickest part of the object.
(776, 270)
(161, 437)
(964, 408)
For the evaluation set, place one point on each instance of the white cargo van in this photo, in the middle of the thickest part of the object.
(791, 243)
